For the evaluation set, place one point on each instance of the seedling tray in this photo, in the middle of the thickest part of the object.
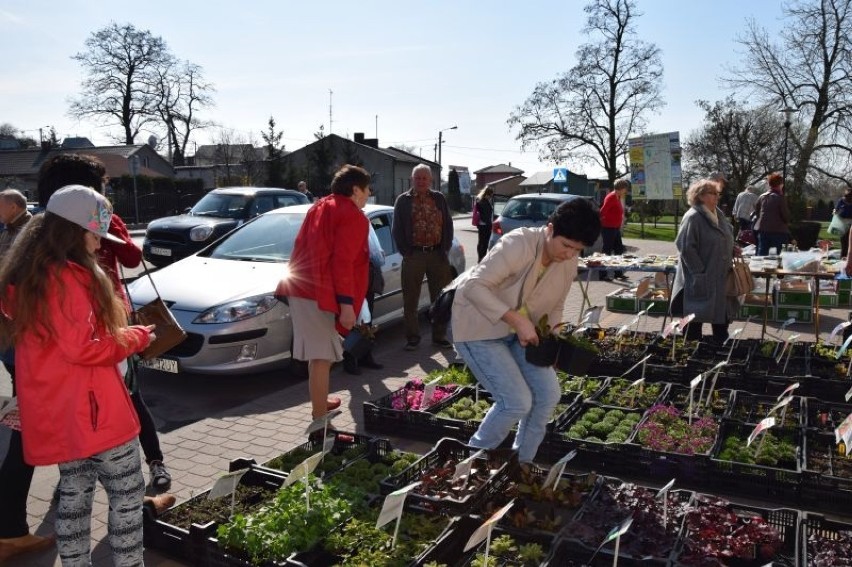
(826, 476)
(381, 416)
(823, 541)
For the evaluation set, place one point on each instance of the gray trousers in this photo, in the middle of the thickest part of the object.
(435, 266)
(120, 472)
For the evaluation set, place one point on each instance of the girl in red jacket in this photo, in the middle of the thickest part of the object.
(70, 332)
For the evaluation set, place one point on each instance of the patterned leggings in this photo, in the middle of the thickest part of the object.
(120, 471)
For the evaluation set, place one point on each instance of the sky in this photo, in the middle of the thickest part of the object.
(400, 71)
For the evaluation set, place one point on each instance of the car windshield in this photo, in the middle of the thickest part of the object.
(268, 238)
(222, 206)
(530, 209)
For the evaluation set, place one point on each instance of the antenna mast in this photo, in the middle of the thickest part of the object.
(330, 121)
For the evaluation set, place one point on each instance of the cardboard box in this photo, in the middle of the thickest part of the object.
(622, 301)
(795, 293)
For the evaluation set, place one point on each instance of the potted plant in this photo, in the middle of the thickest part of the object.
(547, 349)
(576, 353)
(359, 341)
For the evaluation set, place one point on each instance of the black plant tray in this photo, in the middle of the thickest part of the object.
(638, 402)
(834, 412)
(678, 396)
(751, 408)
(381, 417)
(498, 463)
(753, 480)
(188, 544)
(519, 539)
(816, 529)
(784, 520)
(824, 488)
(347, 448)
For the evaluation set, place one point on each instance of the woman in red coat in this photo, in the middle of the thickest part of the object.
(327, 279)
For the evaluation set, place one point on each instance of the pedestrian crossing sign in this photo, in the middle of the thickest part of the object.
(560, 175)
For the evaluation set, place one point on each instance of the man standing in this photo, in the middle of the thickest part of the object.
(612, 219)
(14, 215)
(303, 188)
(744, 207)
(423, 232)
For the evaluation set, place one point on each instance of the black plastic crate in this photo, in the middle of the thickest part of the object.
(518, 540)
(678, 396)
(188, 543)
(347, 448)
(642, 396)
(826, 484)
(446, 454)
(610, 506)
(750, 408)
(826, 416)
(381, 416)
(784, 520)
(825, 540)
(780, 484)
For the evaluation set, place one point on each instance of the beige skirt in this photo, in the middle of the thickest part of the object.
(314, 334)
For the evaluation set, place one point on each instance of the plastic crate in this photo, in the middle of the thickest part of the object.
(816, 529)
(748, 408)
(824, 486)
(518, 538)
(622, 301)
(347, 447)
(795, 298)
(802, 314)
(745, 311)
(754, 480)
(445, 451)
(677, 395)
(641, 400)
(604, 511)
(828, 299)
(449, 547)
(188, 543)
(380, 416)
(824, 415)
(784, 520)
(654, 306)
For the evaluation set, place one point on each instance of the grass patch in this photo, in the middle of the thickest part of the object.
(664, 232)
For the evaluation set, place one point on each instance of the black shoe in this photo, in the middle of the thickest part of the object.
(369, 362)
(412, 344)
(621, 276)
(443, 343)
(604, 278)
(350, 365)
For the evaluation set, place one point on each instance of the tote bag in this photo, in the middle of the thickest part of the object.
(740, 281)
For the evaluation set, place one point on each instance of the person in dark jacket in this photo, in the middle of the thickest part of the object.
(773, 217)
(844, 211)
(423, 232)
(485, 212)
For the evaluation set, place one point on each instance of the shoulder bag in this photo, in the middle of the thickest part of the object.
(168, 332)
(441, 311)
(740, 281)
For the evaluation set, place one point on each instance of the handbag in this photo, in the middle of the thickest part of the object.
(168, 332)
(441, 310)
(739, 281)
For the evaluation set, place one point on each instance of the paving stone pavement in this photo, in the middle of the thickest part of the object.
(198, 453)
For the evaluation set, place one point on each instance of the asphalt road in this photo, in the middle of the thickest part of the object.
(176, 400)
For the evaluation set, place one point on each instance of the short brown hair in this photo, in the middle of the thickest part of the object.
(347, 177)
(775, 180)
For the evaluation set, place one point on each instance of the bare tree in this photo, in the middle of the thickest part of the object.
(181, 90)
(120, 63)
(588, 113)
(740, 141)
(807, 66)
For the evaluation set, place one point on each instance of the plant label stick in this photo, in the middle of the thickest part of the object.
(592, 316)
(788, 390)
(848, 394)
(464, 467)
(790, 350)
(844, 431)
(637, 365)
(695, 381)
(429, 392)
(484, 531)
(782, 404)
(556, 470)
(663, 494)
(227, 484)
(640, 382)
(614, 534)
(715, 370)
(836, 330)
(393, 507)
(764, 424)
(733, 335)
(669, 329)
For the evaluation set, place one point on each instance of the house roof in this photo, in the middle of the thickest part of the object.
(28, 162)
(538, 178)
(500, 168)
(506, 180)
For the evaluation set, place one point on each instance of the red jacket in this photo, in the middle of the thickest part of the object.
(72, 398)
(330, 257)
(612, 211)
(111, 254)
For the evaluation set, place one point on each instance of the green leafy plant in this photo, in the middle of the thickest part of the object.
(601, 426)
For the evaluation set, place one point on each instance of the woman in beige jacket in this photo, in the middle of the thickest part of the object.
(526, 275)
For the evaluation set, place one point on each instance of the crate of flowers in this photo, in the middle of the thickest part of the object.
(718, 532)
(599, 434)
(651, 537)
(626, 394)
(708, 400)
(769, 466)
(752, 408)
(617, 352)
(824, 542)
(824, 415)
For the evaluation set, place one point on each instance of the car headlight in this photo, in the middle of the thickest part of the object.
(200, 233)
(237, 310)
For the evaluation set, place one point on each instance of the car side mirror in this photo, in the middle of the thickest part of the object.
(186, 210)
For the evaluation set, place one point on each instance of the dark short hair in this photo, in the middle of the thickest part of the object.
(775, 180)
(622, 184)
(577, 219)
(348, 177)
(69, 169)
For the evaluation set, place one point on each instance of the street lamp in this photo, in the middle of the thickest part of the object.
(440, 143)
(788, 113)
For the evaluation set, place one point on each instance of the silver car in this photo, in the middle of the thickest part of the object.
(223, 295)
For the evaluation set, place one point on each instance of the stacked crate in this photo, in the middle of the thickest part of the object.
(795, 300)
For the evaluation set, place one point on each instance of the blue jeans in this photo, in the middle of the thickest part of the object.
(524, 394)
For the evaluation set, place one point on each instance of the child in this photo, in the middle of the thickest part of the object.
(70, 332)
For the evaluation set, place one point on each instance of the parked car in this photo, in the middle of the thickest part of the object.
(529, 210)
(170, 239)
(223, 296)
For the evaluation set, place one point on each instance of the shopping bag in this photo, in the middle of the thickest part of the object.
(740, 281)
(167, 333)
(838, 224)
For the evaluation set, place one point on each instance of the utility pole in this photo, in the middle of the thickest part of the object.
(330, 93)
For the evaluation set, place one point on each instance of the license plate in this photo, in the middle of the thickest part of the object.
(160, 251)
(161, 364)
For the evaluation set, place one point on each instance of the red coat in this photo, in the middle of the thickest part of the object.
(72, 398)
(330, 257)
(612, 211)
(111, 254)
